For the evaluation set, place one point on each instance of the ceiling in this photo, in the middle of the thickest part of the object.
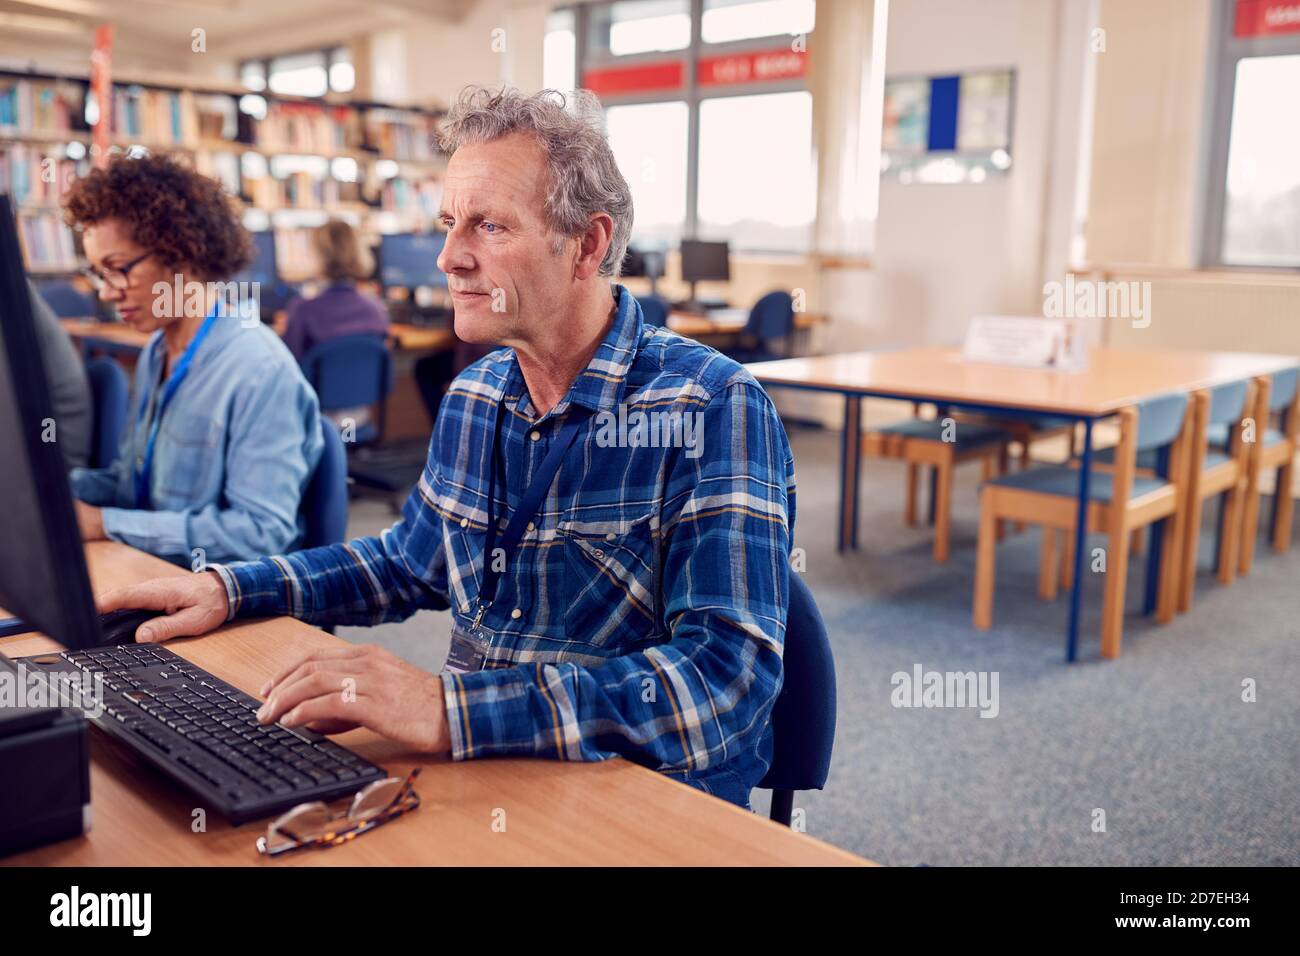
(161, 31)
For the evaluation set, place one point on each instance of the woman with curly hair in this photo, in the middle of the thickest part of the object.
(224, 432)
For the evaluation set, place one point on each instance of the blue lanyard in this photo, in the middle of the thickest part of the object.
(142, 475)
(528, 504)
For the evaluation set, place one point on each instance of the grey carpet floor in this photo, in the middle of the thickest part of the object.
(1158, 747)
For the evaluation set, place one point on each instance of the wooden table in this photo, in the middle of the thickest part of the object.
(1114, 379)
(555, 813)
(114, 337)
(728, 322)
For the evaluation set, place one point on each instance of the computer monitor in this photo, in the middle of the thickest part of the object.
(410, 260)
(705, 261)
(43, 578)
(264, 268)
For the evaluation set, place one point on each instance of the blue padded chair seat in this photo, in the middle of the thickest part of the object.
(966, 433)
(1049, 423)
(1217, 436)
(1059, 480)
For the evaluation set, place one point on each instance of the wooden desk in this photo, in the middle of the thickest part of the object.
(1113, 380)
(114, 337)
(611, 813)
(697, 326)
(418, 338)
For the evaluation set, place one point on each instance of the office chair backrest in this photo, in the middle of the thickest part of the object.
(1227, 403)
(803, 718)
(67, 301)
(654, 310)
(772, 317)
(1282, 392)
(1160, 420)
(350, 371)
(110, 394)
(325, 502)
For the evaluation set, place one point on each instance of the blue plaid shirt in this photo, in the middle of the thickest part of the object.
(643, 614)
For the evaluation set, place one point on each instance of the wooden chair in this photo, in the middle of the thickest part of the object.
(941, 444)
(1274, 448)
(1120, 501)
(1211, 472)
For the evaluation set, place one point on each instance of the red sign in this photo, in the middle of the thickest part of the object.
(761, 67)
(643, 78)
(1259, 18)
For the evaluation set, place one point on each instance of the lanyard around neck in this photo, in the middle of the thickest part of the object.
(529, 504)
(159, 403)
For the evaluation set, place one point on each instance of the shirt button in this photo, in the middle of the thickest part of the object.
(599, 554)
(464, 522)
(516, 614)
(610, 536)
(531, 526)
(534, 436)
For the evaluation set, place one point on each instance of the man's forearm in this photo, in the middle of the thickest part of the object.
(358, 583)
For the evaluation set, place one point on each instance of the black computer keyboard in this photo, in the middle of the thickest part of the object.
(204, 734)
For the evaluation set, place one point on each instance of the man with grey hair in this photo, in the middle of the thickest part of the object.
(609, 598)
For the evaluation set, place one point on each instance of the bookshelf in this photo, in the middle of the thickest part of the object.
(293, 161)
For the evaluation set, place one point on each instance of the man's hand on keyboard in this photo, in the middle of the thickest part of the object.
(341, 688)
(195, 604)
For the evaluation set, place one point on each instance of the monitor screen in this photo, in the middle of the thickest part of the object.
(410, 260)
(705, 261)
(263, 267)
(43, 577)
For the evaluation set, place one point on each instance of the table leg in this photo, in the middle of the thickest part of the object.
(1080, 544)
(850, 462)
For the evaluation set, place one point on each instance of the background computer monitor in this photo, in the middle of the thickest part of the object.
(43, 577)
(410, 260)
(705, 261)
(263, 268)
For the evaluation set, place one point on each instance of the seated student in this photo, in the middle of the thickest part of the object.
(223, 432)
(65, 375)
(340, 309)
(634, 604)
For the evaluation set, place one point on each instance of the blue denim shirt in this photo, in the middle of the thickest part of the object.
(235, 450)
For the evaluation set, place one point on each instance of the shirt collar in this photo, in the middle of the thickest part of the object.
(599, 384)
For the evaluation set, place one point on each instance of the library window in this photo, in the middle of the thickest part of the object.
(760, 206)
(692, 91)
(311, 73)
(559, 52)
(1252, 215)
(640, 26)
(727, 20)
(649, 143)
(1261, 216)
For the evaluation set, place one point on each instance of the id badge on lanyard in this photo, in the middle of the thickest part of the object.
(470, 645)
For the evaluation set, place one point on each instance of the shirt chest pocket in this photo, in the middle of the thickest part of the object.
(611, 577)
(188, 462)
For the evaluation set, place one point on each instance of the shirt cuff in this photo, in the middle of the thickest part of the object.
(488, 713)
(232, 588)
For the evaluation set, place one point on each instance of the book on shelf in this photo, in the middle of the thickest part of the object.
(401, 134)
(36, 174)
(47, 242)
(31, 106)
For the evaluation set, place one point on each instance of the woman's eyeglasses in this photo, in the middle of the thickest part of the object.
(315, 824)
(117, 278)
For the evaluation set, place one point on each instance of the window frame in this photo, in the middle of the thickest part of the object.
(329, 53)
(586, 59)
(1227, 51)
